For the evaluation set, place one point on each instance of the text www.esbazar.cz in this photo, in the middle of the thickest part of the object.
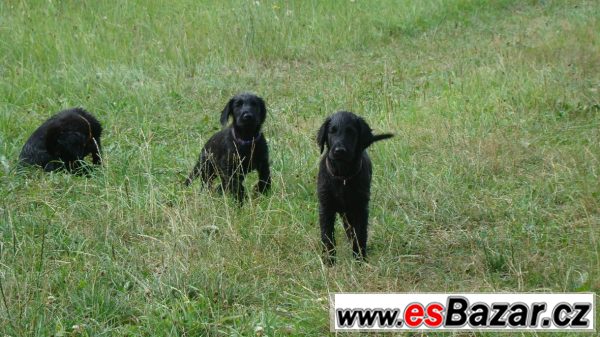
(457, 313)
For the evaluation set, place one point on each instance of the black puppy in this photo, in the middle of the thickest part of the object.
(237, 149)
(344, 181)
(63, 141)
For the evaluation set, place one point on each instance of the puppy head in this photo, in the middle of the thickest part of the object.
(247, 110)
(346, 136)
(66, 139)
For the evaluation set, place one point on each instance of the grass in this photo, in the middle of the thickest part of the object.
(491, 184)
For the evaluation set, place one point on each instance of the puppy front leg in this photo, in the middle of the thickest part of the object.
(327, 221)
(208, 170)
(264, 178)
(201, 165)
(356, 223)
(238, 188)
(234, 184)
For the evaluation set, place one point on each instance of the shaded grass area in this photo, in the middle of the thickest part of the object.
(491, 183)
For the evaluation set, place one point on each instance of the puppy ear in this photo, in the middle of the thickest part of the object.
(227, 111)
(322, 134)
(365, 135)
(263, 109)
(52, 136)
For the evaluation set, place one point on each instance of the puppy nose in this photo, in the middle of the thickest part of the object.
(339, 151)
(247, 116)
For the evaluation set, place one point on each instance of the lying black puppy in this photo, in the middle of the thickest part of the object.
(63, 141)
(237, 149)
(344, 181)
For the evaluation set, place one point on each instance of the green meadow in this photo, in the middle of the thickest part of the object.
(491, 184)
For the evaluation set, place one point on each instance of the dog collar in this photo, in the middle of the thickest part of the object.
(343, 178)
(244, 142)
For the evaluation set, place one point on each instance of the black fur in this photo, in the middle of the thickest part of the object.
(237, 149)
(344, 181)
(63, 141)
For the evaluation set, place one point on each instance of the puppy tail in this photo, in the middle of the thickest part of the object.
(382, 137)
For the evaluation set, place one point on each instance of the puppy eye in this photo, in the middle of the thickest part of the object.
(239, 103)
(333, 129)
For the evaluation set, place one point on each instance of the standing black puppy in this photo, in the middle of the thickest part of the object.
(63, 141)
(237, 149)
(344, 181)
